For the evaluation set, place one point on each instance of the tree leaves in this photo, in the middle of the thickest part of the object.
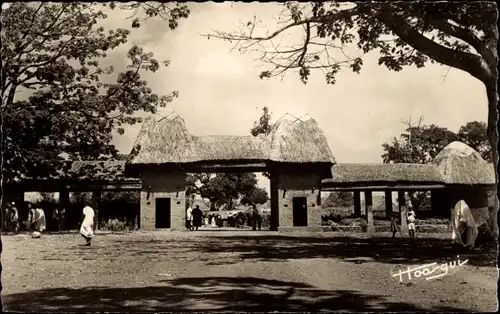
(422, 143)
(171, 12)
(419, 145)
(226, 188)
(263, 126)
(338, 199)
(54, 51)
(403, 34)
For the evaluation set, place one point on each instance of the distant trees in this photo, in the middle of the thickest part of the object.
(338, 199)
(226, 189)
(475, 135)
(421, 143)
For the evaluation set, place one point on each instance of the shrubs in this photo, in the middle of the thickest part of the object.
(335, 214)
(354, 222)
(116, 225)
(432, 221)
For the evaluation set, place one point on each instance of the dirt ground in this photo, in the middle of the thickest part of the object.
(240, 271)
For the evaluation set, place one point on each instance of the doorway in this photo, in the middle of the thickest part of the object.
(163, 211)
(299, 211)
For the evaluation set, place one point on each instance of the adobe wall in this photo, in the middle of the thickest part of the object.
(157, 184)
(298, 185)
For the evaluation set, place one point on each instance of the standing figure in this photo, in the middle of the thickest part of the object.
(255, 217)
(14, 218)
(189, 218)
(197, 215)
(37, 219)
(86, 230)
(62, 219)
(205, 221)
(411, 223)
(214, 224)
(464, 227)
(394, 225)
(55, 219)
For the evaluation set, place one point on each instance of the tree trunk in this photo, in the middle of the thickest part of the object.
(493, 138)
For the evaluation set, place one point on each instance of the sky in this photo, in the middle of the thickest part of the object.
(220, 92)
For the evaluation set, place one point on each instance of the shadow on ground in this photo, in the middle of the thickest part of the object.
(356, 250)
(205, 294)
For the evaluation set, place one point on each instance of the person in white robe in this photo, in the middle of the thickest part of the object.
(86, 230)
(37, 219)
(189, 218)
(14, 218)
(464, 229)
(411, 223)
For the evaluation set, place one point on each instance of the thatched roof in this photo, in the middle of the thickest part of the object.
(229, 148)
(168, 141)
(383, 173)
(299, 141)
(460, 164)
(164, 141)
(456, 164)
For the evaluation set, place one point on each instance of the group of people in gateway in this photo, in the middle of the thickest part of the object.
(37, 221)
(195, 218)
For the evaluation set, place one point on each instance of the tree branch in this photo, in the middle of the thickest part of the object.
(311, 20)
(473, 64)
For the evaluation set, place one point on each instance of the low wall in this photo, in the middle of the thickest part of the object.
(420, 228)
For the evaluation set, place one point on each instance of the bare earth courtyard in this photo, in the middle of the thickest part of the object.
(239, 271)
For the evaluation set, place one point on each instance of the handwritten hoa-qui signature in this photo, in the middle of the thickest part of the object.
(429, 269)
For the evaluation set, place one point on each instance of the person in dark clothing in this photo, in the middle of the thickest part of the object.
(197, 216)
(255, 217)
(14, 218)
(394, 225)
(55, 219)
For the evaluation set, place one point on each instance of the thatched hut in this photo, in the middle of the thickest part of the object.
(295, 152)
(467, 176)
(459, 164)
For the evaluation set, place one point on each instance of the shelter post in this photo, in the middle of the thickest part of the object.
(369, 211)
(357, 204)
(274, 223)
(388, 203)
(63, 204)
(96, 201)
(439, 204)
(402, 212)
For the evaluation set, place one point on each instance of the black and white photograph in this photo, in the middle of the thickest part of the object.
(244, 157)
